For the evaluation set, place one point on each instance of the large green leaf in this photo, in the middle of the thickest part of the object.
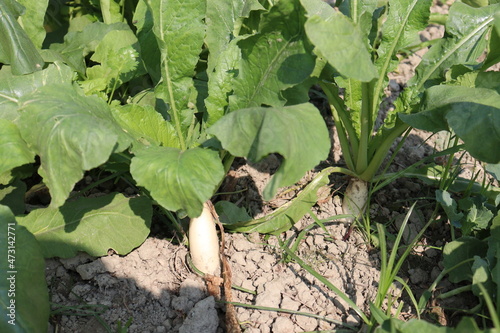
(70, 132)
(111, 11)
(33, 19)
(285, 216)
(16, 47)
(12, 88)
(458, 251)
(320, 8)
(494, 44)
(178, 180)
(298, 133)
(464, 42)
(150, 51)
(481, 275)
(222, 17)
(220, 83)
(146, 125)
(180, 31)
(13, 149)
(118, 55)
(277, 58)
(346, 49)
(93, 225)
(24, 298)
(472, 113)
(405, 20)
(78, 44)
(450, 207)
(12, 196)
(223, 21)
(438, 101)
(477, 125)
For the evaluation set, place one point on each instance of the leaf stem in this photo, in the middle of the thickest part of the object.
(347, 135)
(170, 89)
(366, 120)
(381, 151)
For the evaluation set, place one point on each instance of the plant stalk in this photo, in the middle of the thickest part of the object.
(347, 135)
(381, 151)
(366, 119)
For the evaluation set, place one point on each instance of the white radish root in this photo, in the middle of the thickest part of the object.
(204, 243)
(355, 199)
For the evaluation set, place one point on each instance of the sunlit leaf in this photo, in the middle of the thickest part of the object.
(178, 180)
(24, 297)
(13, 149)
(92, 225)
(70, 132)
(298, 133)
(16, 47)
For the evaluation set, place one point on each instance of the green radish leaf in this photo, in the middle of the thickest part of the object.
(437, 102)
(16, 47)
(466, 29)
(353, 99)
(477, 215)
(24, 298)
(118, 55)
(150, 54)
(92, 225)
(494, 170)
(70, 132)
(476, 3)
(222, 18)
(283, 218)
(298, 133)
(472, 113)
(146, 125)
(362, 12)
(277, 58)
(345, 51)
(12, 196)
(12, 88)
(422, 326)
(477, 125)
(450, 207)
(180, 40)
(400, 31)
(320, 8)
(13, 149)
(467, 324)
(459, 250)
(111, 11)
(230, 213)
(493, 255)
(33, 19)
(488, 80)
(78, 44)
(220, 82)
(481, 275)
(493, 56)
(178, 180)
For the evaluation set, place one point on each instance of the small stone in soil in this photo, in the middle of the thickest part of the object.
(202, 318)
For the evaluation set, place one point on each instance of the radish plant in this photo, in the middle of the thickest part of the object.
(164, 94)
(373, 36)
(159, 93)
